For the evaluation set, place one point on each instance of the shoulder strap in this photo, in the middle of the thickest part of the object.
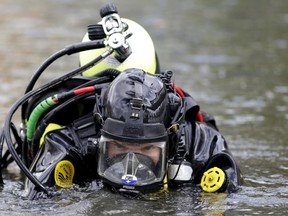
(84, 129)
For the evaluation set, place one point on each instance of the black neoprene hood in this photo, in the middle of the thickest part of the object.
(136, 108)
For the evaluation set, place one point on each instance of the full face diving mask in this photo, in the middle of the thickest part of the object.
(131, 165)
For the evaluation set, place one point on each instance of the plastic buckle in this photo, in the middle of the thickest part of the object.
(136, 104)
(99, 118)
(174, 128)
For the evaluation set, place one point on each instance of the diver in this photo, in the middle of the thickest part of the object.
(124, 122)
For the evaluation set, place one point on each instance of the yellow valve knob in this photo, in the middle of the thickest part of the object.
(64, 173)
(212, 180)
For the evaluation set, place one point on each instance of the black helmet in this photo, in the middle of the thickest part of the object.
(133, 143)
(136, 108)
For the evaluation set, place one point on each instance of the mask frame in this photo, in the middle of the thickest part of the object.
(132, 168)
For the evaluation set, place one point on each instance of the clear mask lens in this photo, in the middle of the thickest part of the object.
(131, 164)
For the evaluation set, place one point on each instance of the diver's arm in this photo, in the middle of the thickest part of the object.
(54, 149)
(210, 150)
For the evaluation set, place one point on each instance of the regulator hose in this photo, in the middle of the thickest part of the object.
(98, 83)
(23, 102)
(66, 51)
(1, 148)
(37, 113)
(7, 134)
(47, 104)
(17, 159)
(112, 73)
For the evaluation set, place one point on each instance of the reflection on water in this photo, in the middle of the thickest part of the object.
(231, 55)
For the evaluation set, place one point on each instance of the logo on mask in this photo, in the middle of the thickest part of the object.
(129, 179)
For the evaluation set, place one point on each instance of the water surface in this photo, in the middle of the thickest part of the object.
(231, 55)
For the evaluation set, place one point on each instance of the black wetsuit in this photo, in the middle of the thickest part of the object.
(198, 143)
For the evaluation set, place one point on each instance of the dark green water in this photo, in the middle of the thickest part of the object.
(230, 54)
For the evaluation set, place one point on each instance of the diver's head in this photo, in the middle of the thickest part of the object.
(133, 145)
(143, 55)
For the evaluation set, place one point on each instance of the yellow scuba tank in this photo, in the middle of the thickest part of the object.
(143, 54)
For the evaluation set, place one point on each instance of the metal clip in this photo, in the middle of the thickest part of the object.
(99, 118)
(136, 104)
(174, 128)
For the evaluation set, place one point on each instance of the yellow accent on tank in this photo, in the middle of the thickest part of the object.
(64, 174)
(143, 53)
(49, 128)
(212, 180)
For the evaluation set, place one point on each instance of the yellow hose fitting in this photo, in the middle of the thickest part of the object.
(212, 180)
(64, 173)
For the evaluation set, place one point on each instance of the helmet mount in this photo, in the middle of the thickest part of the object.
(136, 108)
